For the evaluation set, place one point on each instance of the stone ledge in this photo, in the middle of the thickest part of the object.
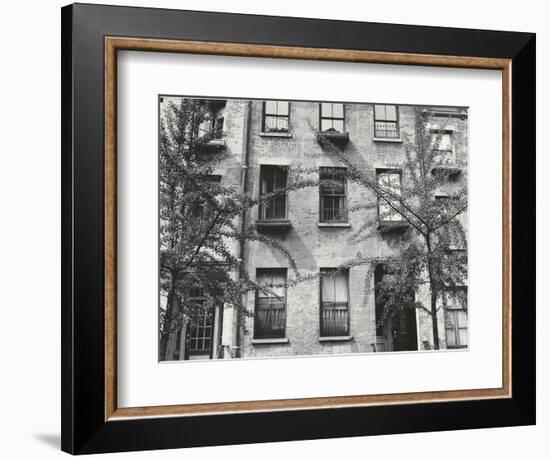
(388, 140)
(335, 339)
(283, 340)
(335, 225)
(276, 134)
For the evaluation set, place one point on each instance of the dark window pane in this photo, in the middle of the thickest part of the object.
(273, 178)
(279, 209)
(333, 195)
(270, 314)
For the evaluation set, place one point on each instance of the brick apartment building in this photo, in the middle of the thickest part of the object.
(326, 315)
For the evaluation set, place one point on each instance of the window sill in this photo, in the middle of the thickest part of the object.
(336, 339)
(335, 137)
(283, 340)
(273, 224)
(335, 225)
(447, 114)
(276, 134)
(214, 144)
(454, 248)
(388, 140)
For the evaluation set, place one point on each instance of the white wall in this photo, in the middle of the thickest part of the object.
(30, 229)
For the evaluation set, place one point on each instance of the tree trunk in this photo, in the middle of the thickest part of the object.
(168, 318)
(433, 295)
(435, 327)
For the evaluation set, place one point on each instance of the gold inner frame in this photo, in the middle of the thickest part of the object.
(114, 44)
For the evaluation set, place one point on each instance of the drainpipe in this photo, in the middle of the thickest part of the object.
(241, 254)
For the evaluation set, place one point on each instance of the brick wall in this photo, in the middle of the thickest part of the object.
(315, 247)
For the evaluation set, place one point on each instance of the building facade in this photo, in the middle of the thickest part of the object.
(335, 311)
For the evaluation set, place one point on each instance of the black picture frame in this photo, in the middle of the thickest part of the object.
(84, 428)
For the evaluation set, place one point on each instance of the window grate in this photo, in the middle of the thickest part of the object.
(386, 121)
(276, 116)
(270, 313)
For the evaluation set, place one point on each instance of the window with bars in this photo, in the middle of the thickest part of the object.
(389, 184)
(270, 314)
(334, 303)
(332, 195)
(456, 318)
(276, 116)
(386, 121)
(443, 142)
(332, 117)
(273, 180)
(200, 325)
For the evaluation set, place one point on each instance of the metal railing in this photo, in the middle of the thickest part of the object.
(332, 214)
(273, 208)
(334, 322)
(269, 323)
(386, 129)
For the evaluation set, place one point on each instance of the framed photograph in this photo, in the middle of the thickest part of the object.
(271, 221)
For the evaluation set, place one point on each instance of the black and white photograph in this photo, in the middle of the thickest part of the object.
(274, 229)
(303, 228)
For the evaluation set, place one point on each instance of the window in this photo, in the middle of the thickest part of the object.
(200, 325)
(270, 316)
(214, 119)
(453, 236)
(456, 318)
(332, 117)
(334, 303)
(389, 184)
(332, 190)
(276, 115)
(273, 180)
(443, 141)
(386, 121)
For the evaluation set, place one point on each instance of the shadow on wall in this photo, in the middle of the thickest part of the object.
(300, 251)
